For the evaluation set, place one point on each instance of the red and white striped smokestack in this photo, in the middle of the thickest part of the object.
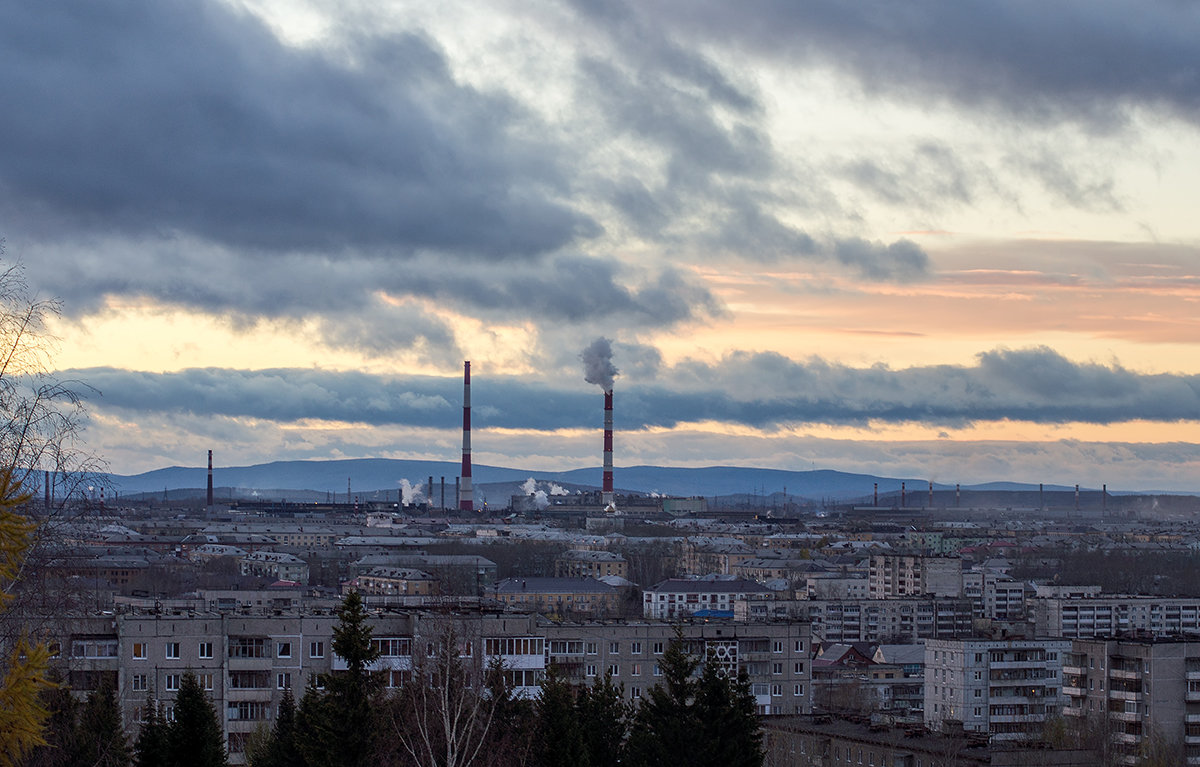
(606, 493)
(466, 497)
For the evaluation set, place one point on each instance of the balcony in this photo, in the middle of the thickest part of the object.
(1128, 695)
(1123, 673)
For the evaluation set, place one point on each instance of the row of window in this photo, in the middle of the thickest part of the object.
(239, 647)
(237, 681)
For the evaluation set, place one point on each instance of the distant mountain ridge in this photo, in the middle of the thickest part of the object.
(376, 475)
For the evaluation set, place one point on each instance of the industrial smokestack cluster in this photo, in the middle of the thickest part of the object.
(466, 497)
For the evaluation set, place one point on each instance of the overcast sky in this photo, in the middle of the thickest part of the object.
(953, 240)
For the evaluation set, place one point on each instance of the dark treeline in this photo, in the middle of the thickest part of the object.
(1162, 573)
(450, 710)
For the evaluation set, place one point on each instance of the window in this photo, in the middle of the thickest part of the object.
(776, 690)
(172, 650)
(591, 669)
(658, 648)
(247, 647)
(139, 651)
(614, 648)
(172, 682)
(614, 669)
(635, 648)
(777, 646)
(205, 680)
(138, 682)
(799, 668)
(776, 668)
(283, 650)
(284, 681)
(168, 713)
(591, 648)
(206, 650)
(635, 692)
(316, 649)
(799, 645)
(799, 690)
(657, 670)
(636, 670)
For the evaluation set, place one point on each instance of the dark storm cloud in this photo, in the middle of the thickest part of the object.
(152, 116)
(344, 292)
(1077, 60)
(762, 390)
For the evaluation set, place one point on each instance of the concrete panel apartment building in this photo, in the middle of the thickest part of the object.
(1135, 690)
(1005, 687)
(246, 656)
(907, 575)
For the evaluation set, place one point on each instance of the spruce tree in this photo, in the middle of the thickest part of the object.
(281, 747)
(560, 741)
(152, 748)
(339, 723)
(194, 739)
(665, 726)
(100, 737)
(604, 721)
(730, 734)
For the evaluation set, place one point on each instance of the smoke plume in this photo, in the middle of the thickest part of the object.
(597, 364)
(410, 494)
(529, 486)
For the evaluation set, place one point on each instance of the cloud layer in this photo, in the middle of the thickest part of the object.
(758, 390)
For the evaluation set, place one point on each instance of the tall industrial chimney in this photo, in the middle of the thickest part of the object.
(47, 490)
(606, 493)
(466, 498)
(210, 493)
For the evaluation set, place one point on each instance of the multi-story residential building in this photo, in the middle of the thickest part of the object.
(1137, 689)
(678, 597)
(586, 563)
(996, 595)
(275, 564)
(775, 656)
(1110, 616)
(704, 556)
(392, 582)
(884, 620)
(789, 741)
(246, 656)
(1005, 687)
(558, 596)
(908, 575)
(835, 586)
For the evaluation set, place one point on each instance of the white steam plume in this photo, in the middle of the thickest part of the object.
(558, 489)
(410, 494)
(529, 486)
(598, 367)
(540, 499)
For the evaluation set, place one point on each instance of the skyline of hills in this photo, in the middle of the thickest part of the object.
(375, 476)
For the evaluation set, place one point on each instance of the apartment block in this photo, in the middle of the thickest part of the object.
(1004, 687)
(775, 656)
(885, 620)
(1086, 617)
(678, 597)
(1136, 689)
(907, 575)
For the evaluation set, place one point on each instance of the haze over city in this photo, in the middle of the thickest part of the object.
(923, 239)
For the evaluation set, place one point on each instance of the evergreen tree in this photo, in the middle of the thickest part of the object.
(339, 724)
(194, 739)
(560, 741)
(281, 748)
(100, 736)
(730, 734)
(59, 749)
(604, 721)
(665, 727)
(152, 748)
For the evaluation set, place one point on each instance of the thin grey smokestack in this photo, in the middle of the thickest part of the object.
(210, 492)
(466, 497)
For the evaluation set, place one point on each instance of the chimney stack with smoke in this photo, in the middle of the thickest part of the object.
(466, 497)
(210, 493)
(599, 369)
